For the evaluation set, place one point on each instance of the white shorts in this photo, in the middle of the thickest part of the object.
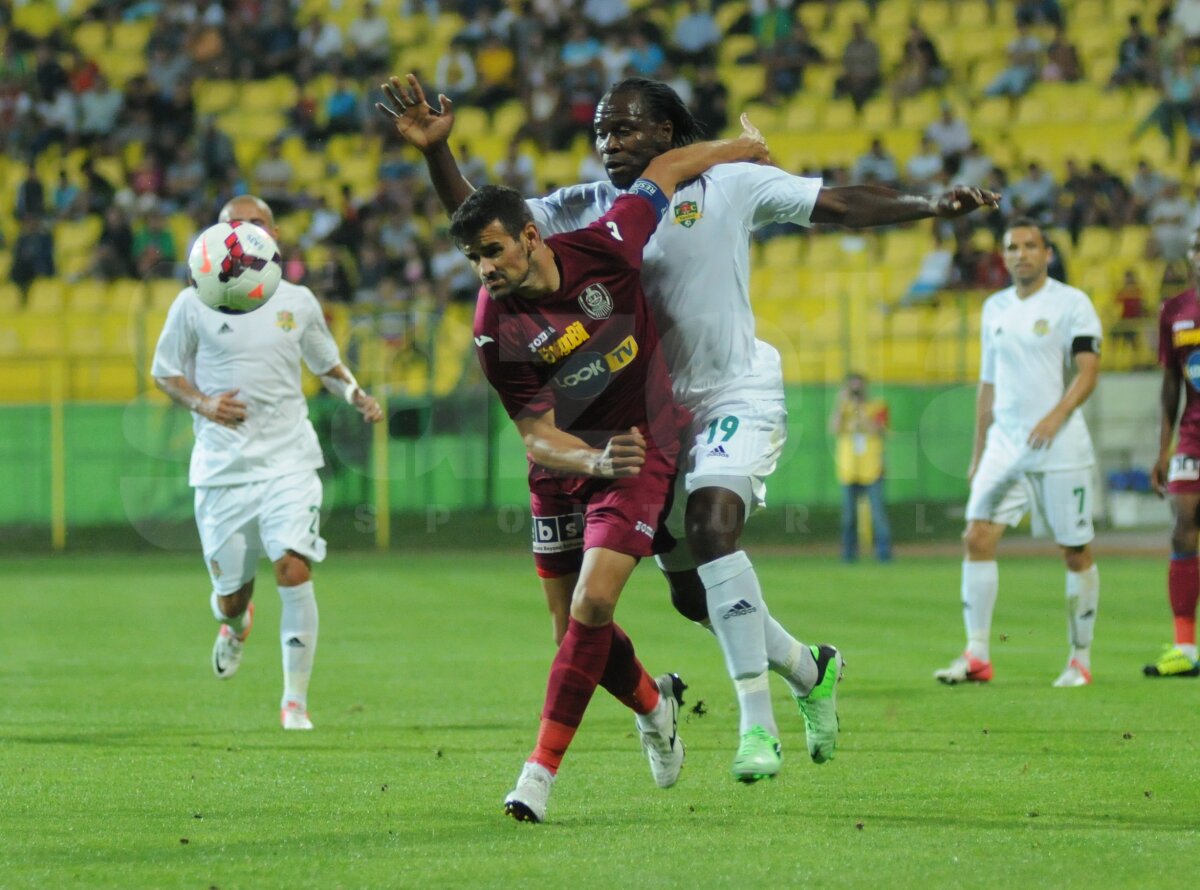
(239, 523)
(734, 444)
(1061, 500)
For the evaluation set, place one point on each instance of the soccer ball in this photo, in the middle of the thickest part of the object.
(235, 266)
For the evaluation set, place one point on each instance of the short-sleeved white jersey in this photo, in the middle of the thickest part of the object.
(1026, 357)
(259, 355)
(696, 271)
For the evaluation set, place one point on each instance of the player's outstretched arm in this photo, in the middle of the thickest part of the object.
(863, 206)
(681, 164)
(225, 409)
(339, 381)
(554, 449)
(428, 130)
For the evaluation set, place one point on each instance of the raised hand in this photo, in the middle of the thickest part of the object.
(419, 123)
(961, 200)
(756, 143)
(622, 456)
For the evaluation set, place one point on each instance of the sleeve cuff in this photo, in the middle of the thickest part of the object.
(653, 194)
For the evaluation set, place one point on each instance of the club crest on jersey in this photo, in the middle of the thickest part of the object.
(1191, 368)
(686, 213)
(1041, 327)
(285, 319)
(596, 301)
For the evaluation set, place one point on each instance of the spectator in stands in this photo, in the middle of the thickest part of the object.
(1131, 305)
(321, 41)
(273, 175)
(496, 66)
(113, 257)
(1168, 219)
(922, 170)
(99, 109)
(453, 277)
(154, 248)
(1145, 185)
(859, 424)
(1062, 60)
(876, 167)
(49, 75)
(605, 15)
(515, 170)
(1181, 90)
(276, 41)
(935, 274)
(57, 117)
(1024, 64)
(862, 72)
(371, 40)
(165, 71)
(951, 135)
(615, 55)
(785, 61)
(1135, 58)
(342, 109)
(696, 36)
(32, 253)
(98, 191)
(920, 66)
(455, 73)
(975, 167)
(68, 198)
(302, 117)
(472, 165)
(710, 101)
(215, 149)
(1035, 194)
(646, 56)
(1185, 18)
(31, 195)
(1048, 11)
(82, 71)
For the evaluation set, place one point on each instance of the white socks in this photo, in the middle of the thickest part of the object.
(1083, 596)
(738, 616)
(980, 581)
(790, 658)
(297, 639)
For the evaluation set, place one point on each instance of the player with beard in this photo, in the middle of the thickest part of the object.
(696, 277)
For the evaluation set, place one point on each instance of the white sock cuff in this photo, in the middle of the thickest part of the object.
(296, 594)
(214, 601)
(1082, 583)
(721, 570)
(980, 571)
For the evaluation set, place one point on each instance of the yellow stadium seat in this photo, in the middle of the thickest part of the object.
(91, 37)
(79, 235)
(126, 296)
(88, 295)
(508, 118)
(1095, 243)
(735, 46)
(215, 96)
(46, 296)
(10, 299)
(274, 94)
(39, 17)
(39, 334)
(103, 380)
(840, 115)
(129, 37)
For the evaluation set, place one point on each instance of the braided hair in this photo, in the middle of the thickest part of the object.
(662, 103)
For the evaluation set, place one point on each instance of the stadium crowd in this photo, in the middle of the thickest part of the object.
(553, 58)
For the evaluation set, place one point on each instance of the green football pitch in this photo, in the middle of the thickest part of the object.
(125, 763)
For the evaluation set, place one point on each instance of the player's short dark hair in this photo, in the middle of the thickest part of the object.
(662, 103)
(488, 204)
(1026, 222)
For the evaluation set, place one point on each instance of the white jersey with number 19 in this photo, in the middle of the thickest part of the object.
(258, 354)
(696, 272)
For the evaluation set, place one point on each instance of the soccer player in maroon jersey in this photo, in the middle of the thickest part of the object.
(1179, 474)
(564, 335)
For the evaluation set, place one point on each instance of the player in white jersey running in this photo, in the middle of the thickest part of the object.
(1032, 449)
(696, 277)
(256, 455)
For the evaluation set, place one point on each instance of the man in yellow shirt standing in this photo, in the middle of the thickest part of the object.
(860, 423)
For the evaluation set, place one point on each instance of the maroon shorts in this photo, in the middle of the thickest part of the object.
(625, 515)
(1183, 477)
